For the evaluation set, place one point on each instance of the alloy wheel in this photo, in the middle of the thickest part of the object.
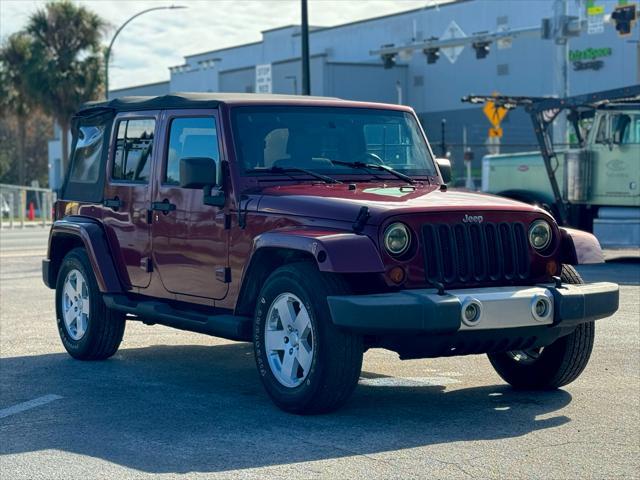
(289, 340)
(75, 304)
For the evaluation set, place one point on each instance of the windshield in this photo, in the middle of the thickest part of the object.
(322, 139)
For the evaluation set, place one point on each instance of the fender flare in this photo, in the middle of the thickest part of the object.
(578, 247)
(91, 236)
(333, 251)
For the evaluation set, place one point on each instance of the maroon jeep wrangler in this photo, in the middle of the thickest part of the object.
(316, 228)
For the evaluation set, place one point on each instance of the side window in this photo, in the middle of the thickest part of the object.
(88, 154)
(635, 130)
(601, 133)
(190, 137)
(622, 128)
(132, 159)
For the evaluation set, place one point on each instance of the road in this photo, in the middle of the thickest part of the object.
(172, 403)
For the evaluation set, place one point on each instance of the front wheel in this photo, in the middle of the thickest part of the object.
(87, 328)
(306, 364)
(552, 366)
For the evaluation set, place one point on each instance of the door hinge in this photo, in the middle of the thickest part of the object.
(146, 264)
(223, 274)
(227, 221)
(149, 216)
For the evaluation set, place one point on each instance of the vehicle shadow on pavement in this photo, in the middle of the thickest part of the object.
(202, 409)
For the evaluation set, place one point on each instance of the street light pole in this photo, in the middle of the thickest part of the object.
(107, 54)
(306, 82)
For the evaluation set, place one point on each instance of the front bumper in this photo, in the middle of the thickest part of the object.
(501, 308)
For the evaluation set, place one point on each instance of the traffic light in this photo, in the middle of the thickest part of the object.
(481, 48)
(433, 54)
(624, 16)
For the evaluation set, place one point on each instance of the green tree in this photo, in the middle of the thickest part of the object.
(15, 97)
(66, 67)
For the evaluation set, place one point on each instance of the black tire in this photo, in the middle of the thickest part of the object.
(337, 354)
(557, 364)
(104, 329)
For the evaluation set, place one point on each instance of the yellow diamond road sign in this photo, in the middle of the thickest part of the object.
(494, 113)
(495, 132)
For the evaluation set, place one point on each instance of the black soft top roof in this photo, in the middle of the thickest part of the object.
(186, 100)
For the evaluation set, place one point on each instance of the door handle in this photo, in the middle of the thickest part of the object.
(114, 203)
(164, 206)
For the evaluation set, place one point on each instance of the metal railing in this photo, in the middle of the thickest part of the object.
(17, 202)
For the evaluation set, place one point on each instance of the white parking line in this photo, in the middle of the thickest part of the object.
(20, 253)
(28, 405)
(407, 381)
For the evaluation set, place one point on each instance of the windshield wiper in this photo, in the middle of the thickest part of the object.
(287, 170)
(375, 166)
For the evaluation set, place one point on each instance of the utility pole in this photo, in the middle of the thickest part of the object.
(306, 82)
(561, 65)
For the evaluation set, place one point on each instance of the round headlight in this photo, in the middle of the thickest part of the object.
(540, 234)
(397, 238)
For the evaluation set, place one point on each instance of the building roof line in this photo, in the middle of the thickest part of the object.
(233, 47)
(445, 3)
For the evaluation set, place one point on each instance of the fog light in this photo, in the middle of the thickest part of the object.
(541, 308)
(471, 312)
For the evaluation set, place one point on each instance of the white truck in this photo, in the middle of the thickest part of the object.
(596, 186)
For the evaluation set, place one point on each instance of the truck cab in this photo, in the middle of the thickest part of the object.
(600, 181)
(316, 228)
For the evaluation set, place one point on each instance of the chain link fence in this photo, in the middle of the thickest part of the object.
(22, 206)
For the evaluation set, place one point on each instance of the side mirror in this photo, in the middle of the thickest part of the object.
(197, 172)
(201, 172)
(444, 165)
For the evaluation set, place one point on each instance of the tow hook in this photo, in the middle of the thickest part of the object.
(557, 281)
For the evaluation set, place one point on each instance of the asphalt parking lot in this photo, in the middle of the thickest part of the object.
(171, 403)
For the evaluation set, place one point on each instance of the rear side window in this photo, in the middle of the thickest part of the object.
(134, 144)
(190, 137)
(85, 176)
(87, 154)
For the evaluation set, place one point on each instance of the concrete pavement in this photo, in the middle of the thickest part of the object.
(173, 403)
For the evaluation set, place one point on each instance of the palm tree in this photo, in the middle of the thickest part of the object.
(15, 98)
(66, 66)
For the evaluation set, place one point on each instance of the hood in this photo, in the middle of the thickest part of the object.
(342, 202)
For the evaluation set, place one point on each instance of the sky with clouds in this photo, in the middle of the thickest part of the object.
(154, 41)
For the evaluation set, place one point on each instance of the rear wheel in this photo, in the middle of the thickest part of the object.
(552, 366)
(306, 364)
(87, 328)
